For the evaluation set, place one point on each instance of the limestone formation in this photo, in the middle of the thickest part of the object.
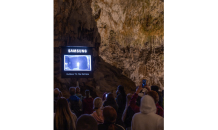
(132, 37)
(74, 25)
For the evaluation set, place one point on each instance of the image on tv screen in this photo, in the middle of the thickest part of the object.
(77, 62)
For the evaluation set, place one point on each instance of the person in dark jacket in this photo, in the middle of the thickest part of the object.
(121, 102)
(74, 102)
(110, 116)
(110, 101)
(156, 88)
(87, 103)
(128, 113)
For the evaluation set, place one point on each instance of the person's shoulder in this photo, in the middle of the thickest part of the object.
(119, 95)
(137, 115)
(158, 116)
(78, 97)
(159, 119)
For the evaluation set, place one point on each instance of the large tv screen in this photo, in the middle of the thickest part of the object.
(77, 63)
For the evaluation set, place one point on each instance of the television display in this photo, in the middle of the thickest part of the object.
(77, 63)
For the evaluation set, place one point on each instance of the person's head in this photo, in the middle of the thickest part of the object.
(56, 92)
(147, 105)
(77, 90)
(120, 89)
(63, 113)
(72, 91)
(97, 103)
(154, 95)
(86, 122)
(110, 116)
(87, 93)
(110, 97)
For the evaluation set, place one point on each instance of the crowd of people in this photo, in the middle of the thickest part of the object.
(142, 110)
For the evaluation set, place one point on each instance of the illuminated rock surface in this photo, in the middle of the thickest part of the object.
(127, 36)
(74, 25)
(132, 37)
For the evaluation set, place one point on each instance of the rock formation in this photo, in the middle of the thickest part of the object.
(74, 25)
(132, 37)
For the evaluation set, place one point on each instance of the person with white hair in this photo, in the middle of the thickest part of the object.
(98, 113)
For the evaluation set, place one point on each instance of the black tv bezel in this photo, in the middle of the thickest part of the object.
(64, 51)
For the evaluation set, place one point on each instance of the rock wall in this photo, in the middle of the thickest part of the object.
(74, 25)
(132, 37)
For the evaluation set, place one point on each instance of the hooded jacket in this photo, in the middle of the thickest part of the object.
(146, 119)
(135, 107)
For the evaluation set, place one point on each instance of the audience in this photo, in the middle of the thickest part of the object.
(136, 108)
(87, 103)
(128, 113)
(110, 116)
(64, 119)
(139, 111)
(147, 119)
(78, 93)
(110, 101)
(86, 122)
(155, 96)
(133, 104)
(98, 113)
(74, 102)
(156, 88)
(121, 101)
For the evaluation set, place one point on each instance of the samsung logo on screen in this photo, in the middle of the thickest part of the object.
(77, 50)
